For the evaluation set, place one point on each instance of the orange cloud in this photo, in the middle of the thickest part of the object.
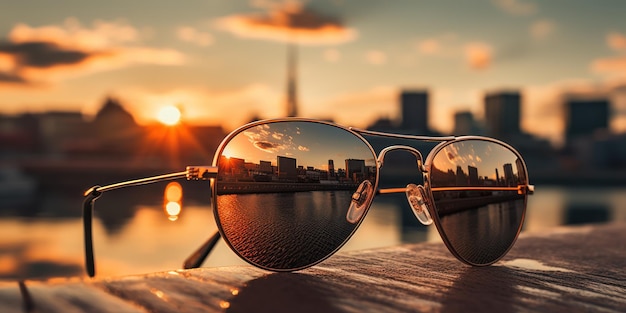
(288, 22)
(611, 65)
(542, 29)
(478, 55)
(616, 41)
(192, 35)
(429, 46)
(36, 55)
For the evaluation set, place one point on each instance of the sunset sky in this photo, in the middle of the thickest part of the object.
(225, 61)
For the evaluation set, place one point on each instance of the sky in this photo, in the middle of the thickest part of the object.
(223, 62)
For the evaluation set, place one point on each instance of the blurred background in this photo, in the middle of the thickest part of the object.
(96, 93)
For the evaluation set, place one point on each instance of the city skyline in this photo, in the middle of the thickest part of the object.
(354, 58)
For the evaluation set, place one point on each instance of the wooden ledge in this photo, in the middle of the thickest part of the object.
(569, 269)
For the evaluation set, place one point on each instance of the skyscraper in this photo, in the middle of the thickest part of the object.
(502, 113)
(415, 111)
(585, 116)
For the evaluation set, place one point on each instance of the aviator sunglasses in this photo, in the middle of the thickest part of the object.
(288, 193)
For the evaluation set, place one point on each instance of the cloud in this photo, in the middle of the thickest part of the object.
(267, 146)
(616, 41)
(288, 21)
(478, 55)
(611, 65)
(442, 45)
(36, 55)
(542, 29)
(376, 57)
(191, 35)
(429, 46)
(303, 148)
(515, 7)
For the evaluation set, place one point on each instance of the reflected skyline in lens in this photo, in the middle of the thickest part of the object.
(479, 196)
(294, 156)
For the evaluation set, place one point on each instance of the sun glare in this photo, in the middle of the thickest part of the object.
(169, 115)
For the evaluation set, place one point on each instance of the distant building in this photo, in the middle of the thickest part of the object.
(265, 167)
(472, 173)
(287, 169)
(116, 129)
(509, 176)
(62, 129)
(465, 124)
(415, 111)
(331, 168)
(584, 117)
(502, 114)
(355, 169)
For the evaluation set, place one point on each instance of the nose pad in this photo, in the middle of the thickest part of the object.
(416, 195)
(360, 200)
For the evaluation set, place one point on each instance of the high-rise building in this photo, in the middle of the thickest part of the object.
(355, 169)
(502, 113)
(331, 168)
(287, 169)
(585, 116)
(415, 111)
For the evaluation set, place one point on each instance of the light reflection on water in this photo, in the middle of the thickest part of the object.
(145, 240)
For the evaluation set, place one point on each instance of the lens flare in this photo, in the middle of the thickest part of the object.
(172, 200)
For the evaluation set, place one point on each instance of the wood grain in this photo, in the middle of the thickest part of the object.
(574, 269)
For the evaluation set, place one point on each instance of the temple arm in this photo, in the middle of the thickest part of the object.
(192, 173)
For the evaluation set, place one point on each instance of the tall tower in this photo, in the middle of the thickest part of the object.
(585, 116)
(292, 101)
(502, 113)
(415, 111)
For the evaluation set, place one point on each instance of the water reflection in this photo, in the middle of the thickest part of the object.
(50, 244)
(173, 200)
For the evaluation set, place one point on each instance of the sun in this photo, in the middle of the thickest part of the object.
(169, 115)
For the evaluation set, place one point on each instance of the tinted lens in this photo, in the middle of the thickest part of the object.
(480, 208)
(285, 191)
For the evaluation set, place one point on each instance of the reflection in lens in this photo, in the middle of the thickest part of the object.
(478, 191)
(284, 190)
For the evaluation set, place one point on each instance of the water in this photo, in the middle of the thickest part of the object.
(133, 234)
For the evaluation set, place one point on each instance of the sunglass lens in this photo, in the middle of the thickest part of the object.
(287, 192)
(478, 188)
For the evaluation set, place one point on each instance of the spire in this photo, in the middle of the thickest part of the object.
(292, 103)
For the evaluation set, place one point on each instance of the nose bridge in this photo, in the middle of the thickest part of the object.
(415, 195)
(415, 152)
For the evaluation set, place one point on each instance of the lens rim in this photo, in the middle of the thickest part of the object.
(214, 182)
(427, 185)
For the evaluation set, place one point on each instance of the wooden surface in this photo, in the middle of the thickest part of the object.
(576, 269)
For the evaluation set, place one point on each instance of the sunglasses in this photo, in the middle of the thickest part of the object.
(289, 193)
